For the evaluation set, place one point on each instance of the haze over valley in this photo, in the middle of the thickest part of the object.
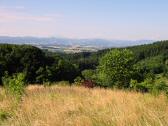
(71, 45)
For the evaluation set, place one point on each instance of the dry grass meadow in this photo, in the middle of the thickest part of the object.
(78, 106)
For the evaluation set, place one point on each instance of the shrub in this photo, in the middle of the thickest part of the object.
(14, 85)
(88, 84)
(88, 74)
(149, 85)
(159, 87)
(133, 84)
(143, 86)
(78, 80)
(3, 115)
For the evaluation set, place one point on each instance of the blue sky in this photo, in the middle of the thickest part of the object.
(107, 19)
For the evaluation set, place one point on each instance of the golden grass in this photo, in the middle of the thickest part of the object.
(78, 106)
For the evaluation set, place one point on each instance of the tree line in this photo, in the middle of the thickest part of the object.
(37, 66)
(135, 66)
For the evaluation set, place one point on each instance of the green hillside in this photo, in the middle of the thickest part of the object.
(41, 66)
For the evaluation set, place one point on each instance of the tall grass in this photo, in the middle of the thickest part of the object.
(78, 106)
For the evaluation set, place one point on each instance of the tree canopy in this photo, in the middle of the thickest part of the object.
(116, 67)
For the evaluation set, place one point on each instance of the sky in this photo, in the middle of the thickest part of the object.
(105, 19)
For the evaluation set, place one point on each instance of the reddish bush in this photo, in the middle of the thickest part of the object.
(88, 84)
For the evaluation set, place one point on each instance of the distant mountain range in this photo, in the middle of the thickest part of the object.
(98, 43)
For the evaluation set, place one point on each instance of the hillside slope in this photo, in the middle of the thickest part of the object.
(78, 106)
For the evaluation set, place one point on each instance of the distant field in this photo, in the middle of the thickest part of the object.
(78, 106)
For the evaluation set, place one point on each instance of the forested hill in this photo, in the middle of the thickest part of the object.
(142, 51)
(42, 66)
(88, 60)
(37, 65)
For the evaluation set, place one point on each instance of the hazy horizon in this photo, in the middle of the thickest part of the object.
(89, 19)
(55, 37)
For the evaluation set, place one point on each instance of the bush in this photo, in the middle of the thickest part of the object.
(3, 115)
(159, 87)
(88, 84)
(144, 86)
(133, 84)
(88, 74)
(150, 85)
(14, 85)
(78, 80)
